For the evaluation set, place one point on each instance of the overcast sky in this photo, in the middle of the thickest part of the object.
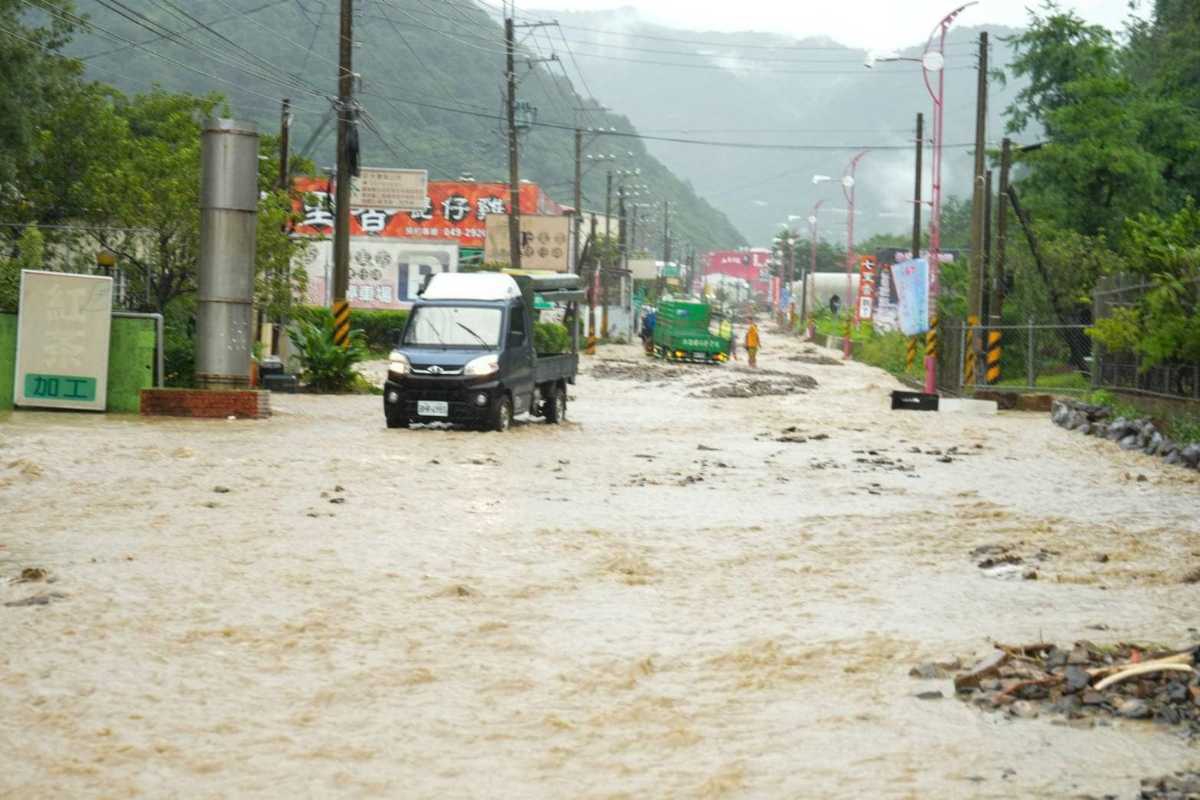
(858, 23)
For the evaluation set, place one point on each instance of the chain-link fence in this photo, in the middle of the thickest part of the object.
(1030, 357)
(1126, 371)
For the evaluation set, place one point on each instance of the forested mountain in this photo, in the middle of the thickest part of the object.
(431, 89)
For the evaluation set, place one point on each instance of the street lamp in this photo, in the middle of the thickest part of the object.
(848, 191)
(812, 265)
(933, 61)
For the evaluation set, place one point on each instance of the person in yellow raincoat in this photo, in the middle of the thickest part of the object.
(752, 343)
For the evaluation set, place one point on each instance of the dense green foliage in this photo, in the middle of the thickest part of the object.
(86, 168)
(379, 327)
(551, 337)
(1111, 186)
(30, 252)
(326, 366)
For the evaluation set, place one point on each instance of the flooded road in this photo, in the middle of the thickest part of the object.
(710, 583)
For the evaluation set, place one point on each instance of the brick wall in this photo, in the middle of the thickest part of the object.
(206, 403)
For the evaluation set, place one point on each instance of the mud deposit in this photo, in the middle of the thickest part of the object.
(661, 598)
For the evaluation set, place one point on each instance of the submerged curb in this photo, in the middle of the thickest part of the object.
(1128, 434)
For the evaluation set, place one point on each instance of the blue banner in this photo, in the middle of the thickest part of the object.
(912, 295)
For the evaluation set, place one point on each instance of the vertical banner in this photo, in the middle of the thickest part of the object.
(912, 295)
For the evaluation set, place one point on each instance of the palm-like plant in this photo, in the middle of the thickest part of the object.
(327, 367)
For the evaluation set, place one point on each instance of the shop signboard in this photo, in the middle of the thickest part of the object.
(62, 340)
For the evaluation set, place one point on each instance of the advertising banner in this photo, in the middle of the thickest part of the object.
(384, 273)
(389, 188)
(63, 329)
(545, 242)
(912, 294)
(454, 211)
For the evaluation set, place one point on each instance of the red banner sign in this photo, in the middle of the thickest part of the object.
(455, 211)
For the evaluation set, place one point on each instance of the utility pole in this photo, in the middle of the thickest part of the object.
(975, 297)
(666, 232)
(999, 278)
(916, 233)
(578, 226)
(345, 132)
(285, 130)
(514, 176)
(608, 206)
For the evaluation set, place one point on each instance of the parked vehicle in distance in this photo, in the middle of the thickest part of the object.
(467, 353)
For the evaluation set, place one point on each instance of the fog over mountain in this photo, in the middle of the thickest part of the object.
(766, 89)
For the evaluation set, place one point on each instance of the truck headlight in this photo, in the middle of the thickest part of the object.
(484, 365)
(398, 364)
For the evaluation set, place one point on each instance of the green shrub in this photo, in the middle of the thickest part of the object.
(378, 326)
(327, 367)
(551, 337)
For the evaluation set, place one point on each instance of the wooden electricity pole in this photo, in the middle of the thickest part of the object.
(514, 176)
(345, 133)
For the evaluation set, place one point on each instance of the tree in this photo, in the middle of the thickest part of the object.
(30, 255)
(1164, 325)
(32, 75)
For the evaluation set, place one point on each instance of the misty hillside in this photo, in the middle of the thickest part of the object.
(770, 89)
(432, 87)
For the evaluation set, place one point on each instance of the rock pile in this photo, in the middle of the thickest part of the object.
(1086, 681)
(1180, 786)
(1130, 434)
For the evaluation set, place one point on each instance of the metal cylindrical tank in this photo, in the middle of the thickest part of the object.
(228, 219)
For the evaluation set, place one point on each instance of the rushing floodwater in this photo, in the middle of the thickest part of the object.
(659, 599)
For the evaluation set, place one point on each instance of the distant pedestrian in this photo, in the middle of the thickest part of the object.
(752, 343)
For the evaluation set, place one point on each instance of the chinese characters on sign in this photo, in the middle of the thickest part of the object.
(450, 211)
(389, 188)
(60, 387)
(62, 340)
(384, 273)
(544, 241)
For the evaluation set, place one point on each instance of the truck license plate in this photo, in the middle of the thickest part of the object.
(433, 408)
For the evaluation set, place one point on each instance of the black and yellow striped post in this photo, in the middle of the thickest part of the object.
(971, 353)
(993, 356)
(341, 323)
(931, 338)
(911, 357)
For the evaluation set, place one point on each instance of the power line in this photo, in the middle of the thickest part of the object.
(134, 18)
(236, 49)
(160, 37)
(278, 35)
(79, 21)
(673, 140)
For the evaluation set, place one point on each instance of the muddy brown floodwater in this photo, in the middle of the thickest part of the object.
(678, 594)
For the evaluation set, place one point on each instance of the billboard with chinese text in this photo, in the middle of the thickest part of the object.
(384, 273)
(545, 241)
(62, 340)
(454, 211)
(752, 266)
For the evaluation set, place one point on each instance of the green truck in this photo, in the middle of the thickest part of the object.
(685, 330)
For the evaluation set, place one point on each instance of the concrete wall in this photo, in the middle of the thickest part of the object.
(8, 358)
(131, 358)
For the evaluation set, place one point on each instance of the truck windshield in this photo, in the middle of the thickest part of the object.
(454, 326)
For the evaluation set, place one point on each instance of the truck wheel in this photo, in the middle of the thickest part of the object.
(556, 408)
(502, 414)
(397, 421)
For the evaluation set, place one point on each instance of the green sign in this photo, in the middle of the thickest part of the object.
(60, 387)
